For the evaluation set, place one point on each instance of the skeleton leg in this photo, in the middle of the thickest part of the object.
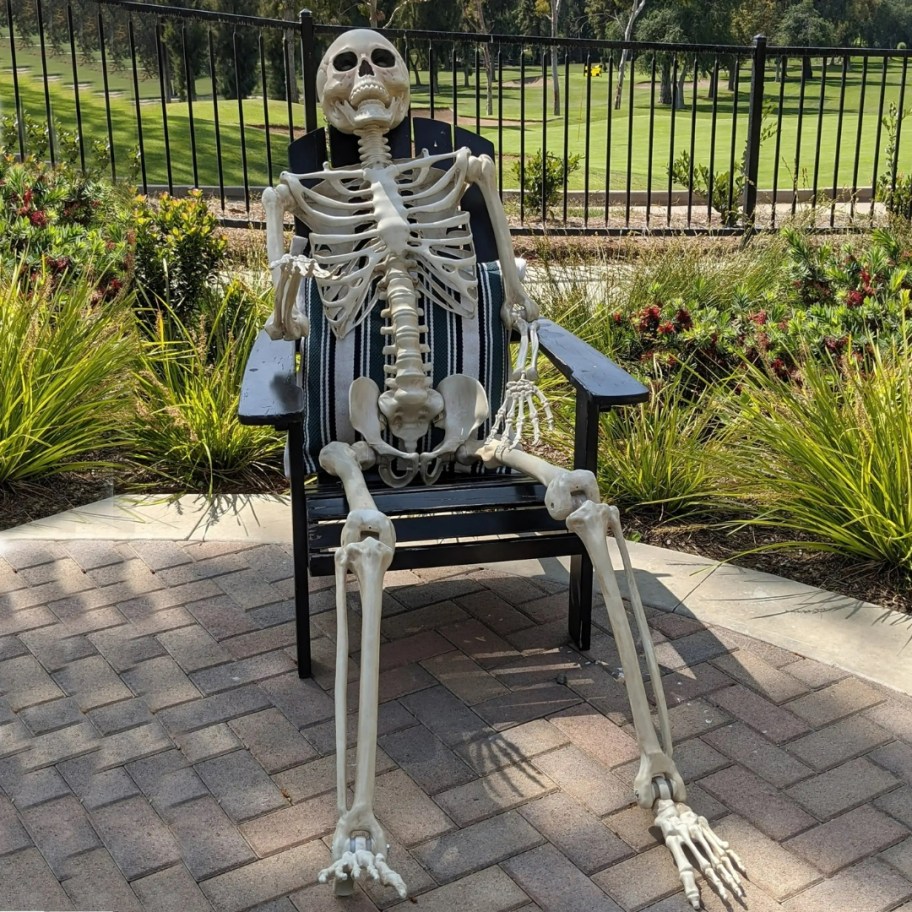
(368, 540)
(574, 497)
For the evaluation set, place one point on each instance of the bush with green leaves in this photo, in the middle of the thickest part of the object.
(722, 189)
(56, 221)
(179, 248)
(894, 186)
(542, 179)
(186, 433)
(65, 375)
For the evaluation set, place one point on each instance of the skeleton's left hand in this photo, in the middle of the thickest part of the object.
(287, 320)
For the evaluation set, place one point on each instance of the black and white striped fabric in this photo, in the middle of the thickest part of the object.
(477, 347)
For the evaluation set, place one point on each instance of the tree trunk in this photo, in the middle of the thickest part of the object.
(679, 91)
(665, 85)
(555, 80)
(415, 70)
(807, 71)
(486, 51)
(622, 65)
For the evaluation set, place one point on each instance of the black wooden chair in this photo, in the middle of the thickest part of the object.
(496, 517)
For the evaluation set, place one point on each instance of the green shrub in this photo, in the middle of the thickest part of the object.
(542, 178)
(830, 458)
(178, 250)
(187, 432)
(724, 199)
(58, 221)
(894, 187)
(65, 375)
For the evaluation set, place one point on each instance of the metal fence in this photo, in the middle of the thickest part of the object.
(592, 136)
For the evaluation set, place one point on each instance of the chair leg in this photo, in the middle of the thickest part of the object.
(299, 548)
(580, 615)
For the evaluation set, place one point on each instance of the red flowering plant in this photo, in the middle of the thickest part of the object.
(58, 221)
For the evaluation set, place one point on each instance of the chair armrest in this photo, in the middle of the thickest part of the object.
(270, 392)
(588, 370)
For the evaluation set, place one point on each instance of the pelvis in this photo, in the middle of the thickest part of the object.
(459, 406)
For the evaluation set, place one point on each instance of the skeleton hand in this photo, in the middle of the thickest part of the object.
(287, 320)
(682, 828)
(353, 863)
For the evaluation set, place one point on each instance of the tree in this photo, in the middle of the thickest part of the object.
(635, 11)
(475, 11)
(803, 26)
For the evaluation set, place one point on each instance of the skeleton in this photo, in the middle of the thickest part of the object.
(392, 232)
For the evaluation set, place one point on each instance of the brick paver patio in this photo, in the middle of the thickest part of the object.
(159, 751)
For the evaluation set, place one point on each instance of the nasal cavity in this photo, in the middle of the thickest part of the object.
(365, 69)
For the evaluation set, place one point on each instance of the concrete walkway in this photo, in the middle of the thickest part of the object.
(158, 751)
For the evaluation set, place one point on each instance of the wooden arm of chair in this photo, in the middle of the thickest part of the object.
(270, 392)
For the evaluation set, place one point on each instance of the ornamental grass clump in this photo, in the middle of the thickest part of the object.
(187, 434)
(828, 456)
(65, 375)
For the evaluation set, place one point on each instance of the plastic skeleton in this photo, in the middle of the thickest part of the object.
(392, 231)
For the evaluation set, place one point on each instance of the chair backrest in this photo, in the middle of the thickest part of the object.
(309, 152)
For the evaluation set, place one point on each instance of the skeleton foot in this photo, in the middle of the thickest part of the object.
(357, 857)
(683, 829)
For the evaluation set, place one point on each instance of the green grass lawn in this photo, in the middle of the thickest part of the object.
(626, 156)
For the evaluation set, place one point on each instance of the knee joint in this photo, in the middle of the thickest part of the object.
(569, 491)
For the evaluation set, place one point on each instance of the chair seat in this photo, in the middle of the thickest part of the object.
(493, 519)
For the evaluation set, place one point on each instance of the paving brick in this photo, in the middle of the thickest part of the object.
(244, 671)
(464, 851)
(22, 554)
(445, 715)
(161, 683)
(900, 857)
(26, 882)
(13, 836)
(524, 705)
(209, 840)
(292, 825)
(689, 650)
(206, 568)
(85, 622)
(406, 811)
(847, 839)
(257, 641)
(95, 882)
(674, 625)
(391, 717)
(839, 742)
(267, 879)
(136, 836)
(464, 677)
(745, 746)
(774, 655)
(490, 889)
(695, 717)
(59, 745)
(426, 759)
(221, 617)
(60, 829)
(895, 757)
(478, 642)
(49, 716)
(586, 780)
(815, 674)
(427, 618)
(123, 649)
(28, 789)
(395, 683)
(171, 890)
(495, 613)
(272, 739)
(207, 742)
(29, 619)
(241, 785)
(134, 572)
(118, 717)
(751, 670)
(412, 593)
(641, 880)
(11, 647)
(513, 745)
(315, 897)
(166, 779)
(160, 555)
(776, 870)
(92, 682)
(24, 682)
(835, 702)
(775, 722)
(579, 834)
(414, 648)
(407, 867)
(757, 801)
(510, 587)
(97, 787)
(555, 883)
(318, 776)
(898, 804)
(872, 886)
(597, 736)
(301, 701)
(635, 825)
(693, 758)
(842, 787)
(499, 791)
(893, 715)
(538, 638)
(210, 710)
(248, 589)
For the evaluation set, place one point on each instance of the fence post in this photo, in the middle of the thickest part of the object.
(308, 70)
(754, 123)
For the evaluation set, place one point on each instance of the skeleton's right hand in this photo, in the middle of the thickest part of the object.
(288, 321)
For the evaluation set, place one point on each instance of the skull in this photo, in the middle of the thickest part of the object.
(363, 82)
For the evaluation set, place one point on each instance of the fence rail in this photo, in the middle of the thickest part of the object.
(593, 136)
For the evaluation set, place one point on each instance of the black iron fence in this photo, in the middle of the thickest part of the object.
(593, 136)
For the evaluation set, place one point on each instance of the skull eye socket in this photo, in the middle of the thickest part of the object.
(345, 61)
(383, 57)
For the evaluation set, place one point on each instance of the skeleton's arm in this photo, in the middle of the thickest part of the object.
(524, 401)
